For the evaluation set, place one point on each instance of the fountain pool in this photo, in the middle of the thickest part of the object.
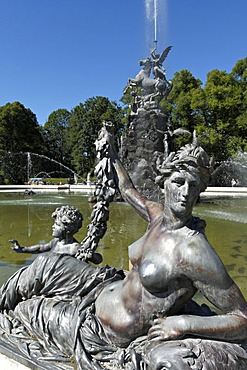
(28, 219)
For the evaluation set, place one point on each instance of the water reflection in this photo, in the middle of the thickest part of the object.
(28, 219)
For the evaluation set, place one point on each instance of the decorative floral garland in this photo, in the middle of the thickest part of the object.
(104, 194)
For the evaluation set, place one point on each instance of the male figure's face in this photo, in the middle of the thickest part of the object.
(58, 229)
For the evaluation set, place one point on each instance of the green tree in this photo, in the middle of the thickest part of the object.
(239, 73)
(55, 133)
(19, 133)
(216, 112)
(19, 130)
(224, 104)
(183, 104)
(84, 124)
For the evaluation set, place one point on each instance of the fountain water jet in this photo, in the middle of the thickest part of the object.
(28, 166)
(156, 20)
(29, 154)
(234, 168)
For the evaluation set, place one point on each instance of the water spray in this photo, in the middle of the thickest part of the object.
(156, 17)
(155, 21)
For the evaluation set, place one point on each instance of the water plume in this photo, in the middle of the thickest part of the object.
(156, 20)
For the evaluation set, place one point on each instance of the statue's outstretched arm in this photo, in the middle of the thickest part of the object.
(36, 248)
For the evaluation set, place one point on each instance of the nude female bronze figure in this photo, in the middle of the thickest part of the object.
(171, 262)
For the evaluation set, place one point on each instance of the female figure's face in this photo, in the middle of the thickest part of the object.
(182, 189)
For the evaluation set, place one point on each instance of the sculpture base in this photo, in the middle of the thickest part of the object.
(9, 364)
(12, 359)
(200, 354)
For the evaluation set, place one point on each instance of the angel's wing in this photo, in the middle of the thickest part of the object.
(164, 54)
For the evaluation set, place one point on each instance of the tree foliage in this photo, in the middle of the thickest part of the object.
(19, 130)
(183, 103)
(56, 133)
(217, 111)
(19, 133)
(84, 124)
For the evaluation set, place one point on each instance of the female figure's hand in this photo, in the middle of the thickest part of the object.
(167, 328)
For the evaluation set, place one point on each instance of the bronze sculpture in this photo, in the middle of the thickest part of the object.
(151, 88)
(67, 222)
(145, 318)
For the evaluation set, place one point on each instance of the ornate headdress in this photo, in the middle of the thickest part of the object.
(190, 157)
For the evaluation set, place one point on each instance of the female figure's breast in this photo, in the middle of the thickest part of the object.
(167, 288)
(163, 265)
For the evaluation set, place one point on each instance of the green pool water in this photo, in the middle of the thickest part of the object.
(28, 219)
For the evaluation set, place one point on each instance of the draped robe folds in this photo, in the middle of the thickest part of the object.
(53, 301)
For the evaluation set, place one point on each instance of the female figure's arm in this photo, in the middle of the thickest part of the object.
(210, 277)
(147, 209)
(232, 325)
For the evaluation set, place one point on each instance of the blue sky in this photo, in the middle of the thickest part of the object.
(58, 53)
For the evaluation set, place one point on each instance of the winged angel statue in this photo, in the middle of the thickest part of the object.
(151, 87)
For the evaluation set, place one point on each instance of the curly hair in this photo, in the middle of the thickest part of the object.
(70, 216)
(191, 158)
